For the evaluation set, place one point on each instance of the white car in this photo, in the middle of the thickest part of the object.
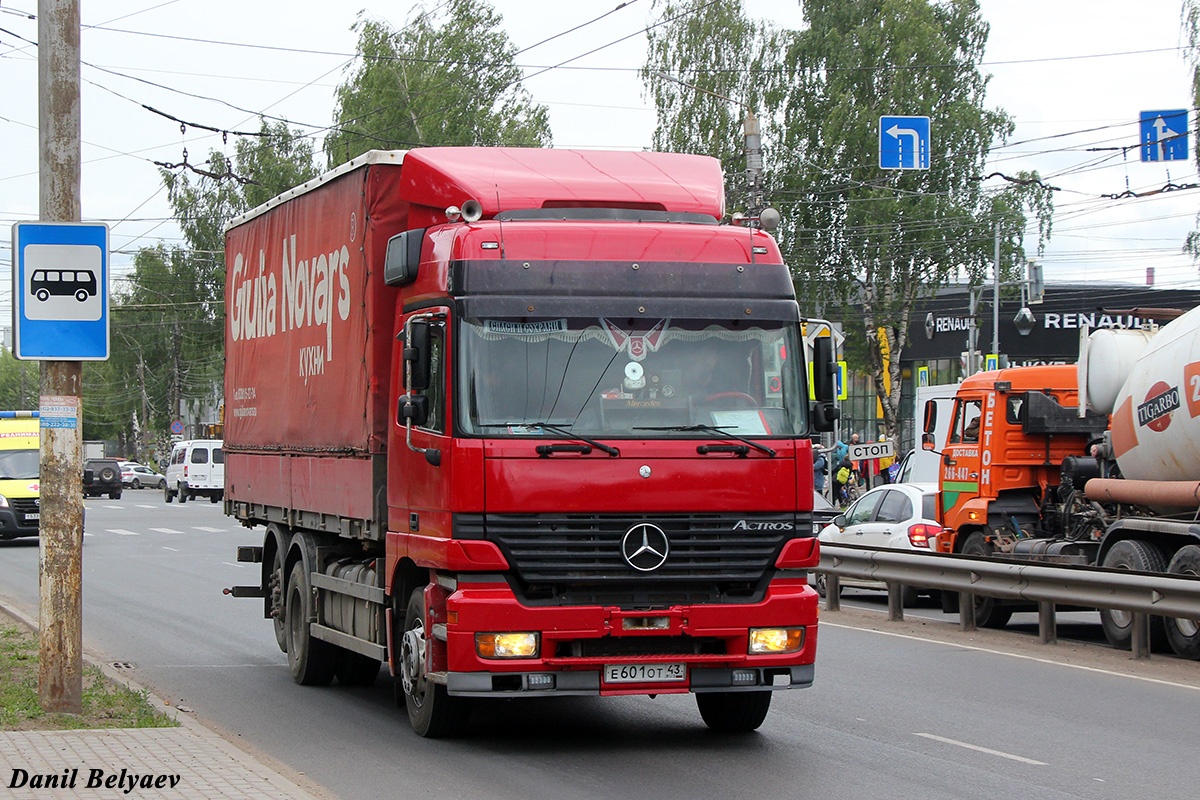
(135, 476)
(897, 516)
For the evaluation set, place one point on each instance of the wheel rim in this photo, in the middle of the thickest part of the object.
(412, 662)
(1187, 627)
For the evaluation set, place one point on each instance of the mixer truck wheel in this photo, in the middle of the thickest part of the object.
(733, 712)
(1184, 634)
(311, 661)
(988, 611)
(1118, 625)
(432, 712)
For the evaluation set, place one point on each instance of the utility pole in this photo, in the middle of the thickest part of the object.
(996, 295)
(60, 654)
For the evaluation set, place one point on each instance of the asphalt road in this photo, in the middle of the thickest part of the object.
(890, 716)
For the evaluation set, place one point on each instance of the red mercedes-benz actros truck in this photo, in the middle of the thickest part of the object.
(523, 422)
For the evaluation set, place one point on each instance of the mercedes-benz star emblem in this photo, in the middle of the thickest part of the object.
(645, 547)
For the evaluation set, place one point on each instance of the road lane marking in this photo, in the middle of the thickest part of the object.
(210, 530)
(231, 564)
(172, 549)
(140, 505)
(122, 532)
(979, 749)
(990, 651)
(165, 530)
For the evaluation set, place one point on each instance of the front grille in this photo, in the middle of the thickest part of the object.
(575, 559)
(24, 506)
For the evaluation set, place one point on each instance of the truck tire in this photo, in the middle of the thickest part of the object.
(168, 495)
(733, 712)
(1141, 556)
(988, 611)
(182, 491)
(355, 669)
(311, 661)
(432, 712)
(1184, 634)
(276, 591)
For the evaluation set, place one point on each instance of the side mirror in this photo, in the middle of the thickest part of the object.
(413, 408)
(840, 520)
(927, 442)
(824, 370)
(930, 418)
(402, 257)
(416, 356)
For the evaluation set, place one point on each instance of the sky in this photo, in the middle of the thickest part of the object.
(1073, 74)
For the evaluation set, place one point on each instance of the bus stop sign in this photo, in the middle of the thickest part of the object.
(60, 291)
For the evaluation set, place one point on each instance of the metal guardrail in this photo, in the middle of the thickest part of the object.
(1138, 593)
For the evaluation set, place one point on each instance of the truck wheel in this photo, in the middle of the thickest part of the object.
(311, 661)
(1184, 634)
(168, 495)
(988, 611)
(432, 712)
(1118, 625)
(182, 491)
(355, 669)
(275, 591)
(733, 712)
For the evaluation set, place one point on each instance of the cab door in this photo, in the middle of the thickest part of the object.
(961, 461)
(423, 460)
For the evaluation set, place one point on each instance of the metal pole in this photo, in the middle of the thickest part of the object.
(60, 654)
(895, 602)
(996, 298)
(1047, 624)
(754, 162)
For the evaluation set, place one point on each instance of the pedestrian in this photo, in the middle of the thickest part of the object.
(841, 479)
(885, 464)
(820, 468)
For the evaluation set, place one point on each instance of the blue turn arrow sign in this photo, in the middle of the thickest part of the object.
(904, 142)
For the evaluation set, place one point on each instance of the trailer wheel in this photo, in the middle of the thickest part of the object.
(1184, 634)
(275, 589)
(432, 712)
(988, 611)
(1141, 556)
(355, 669)
(311, 661)
(733, 712)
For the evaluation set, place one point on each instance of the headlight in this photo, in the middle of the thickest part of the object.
(506, 645)
(3, 501)
(773, 641)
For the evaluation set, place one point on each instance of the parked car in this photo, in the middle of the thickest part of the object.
(102, 476)
(135, 476)
(196, 469)
(899, 516)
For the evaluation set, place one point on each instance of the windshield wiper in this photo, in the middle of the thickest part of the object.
(565, 433)
(702, 428)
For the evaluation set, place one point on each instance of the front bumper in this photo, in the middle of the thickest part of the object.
(577, 642)
(13, 525)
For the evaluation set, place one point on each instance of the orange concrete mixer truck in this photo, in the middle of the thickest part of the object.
(1096, 463)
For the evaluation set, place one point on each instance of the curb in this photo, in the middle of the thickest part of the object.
(279, 777)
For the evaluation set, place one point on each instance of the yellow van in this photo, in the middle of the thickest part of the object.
(20, 458)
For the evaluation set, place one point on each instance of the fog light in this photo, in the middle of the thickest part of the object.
(775, 640)
(745, 677)
(537, 681)
(506, 645)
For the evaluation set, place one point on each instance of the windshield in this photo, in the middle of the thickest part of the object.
(617, 377)
(19, 464)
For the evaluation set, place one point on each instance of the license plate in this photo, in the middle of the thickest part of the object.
(29, 517)
(645, 673)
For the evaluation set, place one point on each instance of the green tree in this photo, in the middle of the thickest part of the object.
(863, 239)
(1191, 34)
(168, 314)
(446, 77)
(19, 383)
